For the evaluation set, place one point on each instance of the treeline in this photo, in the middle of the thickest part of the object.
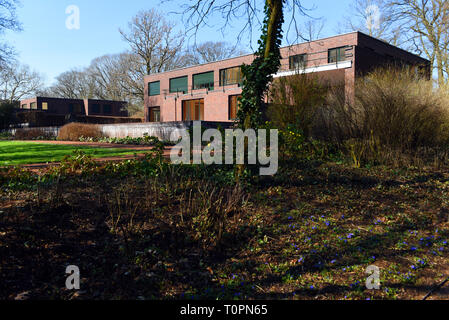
(155, 46)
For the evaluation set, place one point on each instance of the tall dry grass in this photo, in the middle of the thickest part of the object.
(295, 101)
(74, 131)
(393, 114)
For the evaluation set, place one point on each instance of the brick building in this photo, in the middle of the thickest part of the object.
(76, 107)
(209, 91)
(44, 111)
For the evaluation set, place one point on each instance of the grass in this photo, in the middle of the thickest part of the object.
(18, 152)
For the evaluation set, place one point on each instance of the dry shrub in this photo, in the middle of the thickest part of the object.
(295, 101)
(74, 131)
(393, 113)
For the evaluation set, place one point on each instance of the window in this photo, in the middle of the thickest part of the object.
(336, 54)
(193, 110)
(95, 108)
(24, 106)
(203, 80)
(44, 106)
(154, 114)
(233, 106)
(298, 61)
(154, 88)
(107, 109)
(33, 106)
(178, 84)
(231, 76)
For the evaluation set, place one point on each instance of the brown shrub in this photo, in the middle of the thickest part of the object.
(393, 114)
(74, 131)
(295, 101)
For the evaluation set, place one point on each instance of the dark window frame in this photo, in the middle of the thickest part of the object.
(293, 57)
(340, 54)
(159, 89)
(230, 98)
(188, 113)
(151, 111)
(223, 81)
(205, 85)
(170, 84)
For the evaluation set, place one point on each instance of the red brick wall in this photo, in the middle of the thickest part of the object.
(364, 51)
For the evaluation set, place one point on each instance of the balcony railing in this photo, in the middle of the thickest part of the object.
(312, 61)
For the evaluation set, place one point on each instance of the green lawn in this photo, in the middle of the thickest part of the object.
(18, 152)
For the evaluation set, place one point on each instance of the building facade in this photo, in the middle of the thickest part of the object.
(75, 107)
(210, 91)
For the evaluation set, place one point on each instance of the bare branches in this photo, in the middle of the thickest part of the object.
(211, 51)
(18, 82)
(154, 40)
(428, 21)
(8, 21)
(199, 13)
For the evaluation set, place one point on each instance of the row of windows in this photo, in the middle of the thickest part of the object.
(194, 110)
(73, 108)
(334, 55)
(203, 80)
(234, 75)
(33, 106)
(96, 108)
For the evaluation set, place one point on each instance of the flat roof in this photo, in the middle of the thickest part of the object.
(58, 98)
(291, 45)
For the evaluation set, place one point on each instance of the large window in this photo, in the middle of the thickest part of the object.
(298, 61)
(154, 88)
(95, 108)
(154, 114)
(33, 106)
(193, 110)
(336, 54)
(231, 76)
(107, 109)
(233, 106)
(203, 80)
(24, 106)
(178, 84)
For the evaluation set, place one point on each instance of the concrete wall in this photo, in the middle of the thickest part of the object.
(162, 130)
(53, 131)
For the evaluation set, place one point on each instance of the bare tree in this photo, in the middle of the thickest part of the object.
(154, 40)
(375, 18)
(211, 51)
(428, 21)
(73, 84)
(8, 21)
(312, 29)
(18, 82)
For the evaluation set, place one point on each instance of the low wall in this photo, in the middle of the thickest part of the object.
(162, 130)
(51, 131)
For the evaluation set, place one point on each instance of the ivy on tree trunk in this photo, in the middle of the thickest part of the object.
(259, 74)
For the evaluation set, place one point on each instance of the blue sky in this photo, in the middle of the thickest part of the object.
(50, 48)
